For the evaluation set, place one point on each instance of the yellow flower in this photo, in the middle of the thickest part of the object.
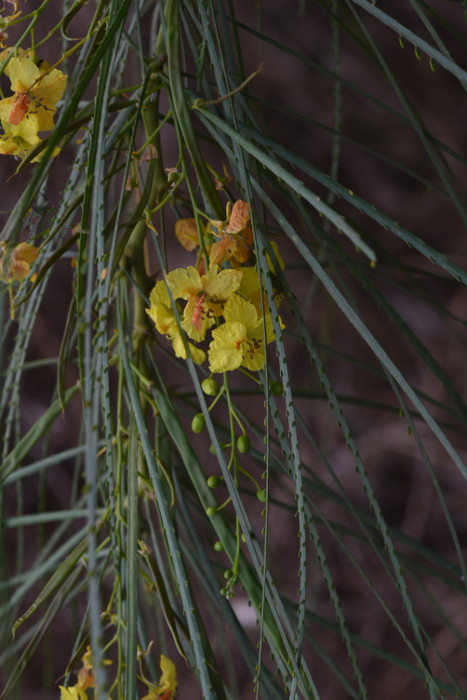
(37, 90)
(164, 319)
(240, 340)
(204, 294)
(86, 679)
(32, 106)
(86, 674)
(167, 686)
(22, 256)
(13, 143)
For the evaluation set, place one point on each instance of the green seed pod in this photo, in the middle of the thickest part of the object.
(228, 573)
(211, 511)
(210, 387)
(243, 443)
(198, 423)
(218, 546)
(261, 495)
(214, 481)
(276, 388)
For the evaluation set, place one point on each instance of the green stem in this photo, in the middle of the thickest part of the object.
(181, 112)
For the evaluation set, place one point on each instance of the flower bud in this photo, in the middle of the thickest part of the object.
(210, 387)
(276, 388)
(198, 423)
(243, 443)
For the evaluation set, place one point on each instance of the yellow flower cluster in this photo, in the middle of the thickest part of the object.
(164, 690)
(31, 109)
(232, 294)
(86, 679)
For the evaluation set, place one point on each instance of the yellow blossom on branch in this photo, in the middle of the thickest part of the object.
(13, 143)
(240, 340)
(234, 292)
(36, 92)
(86, 679)
(32, 107)
(162, 315)
(86, 674)
(167, 686)
(204, 294)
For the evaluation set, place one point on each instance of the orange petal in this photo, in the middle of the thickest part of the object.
(220, 251)
(187, 233)
(25, 251)
(19, 269)
(239, 217)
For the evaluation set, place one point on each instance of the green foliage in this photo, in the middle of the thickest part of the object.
(291, 527)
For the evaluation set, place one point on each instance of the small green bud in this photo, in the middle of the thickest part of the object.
(214, 481)
(198, 423)
(276, 388)
(211, 511)
(228, 573)
(243, 443)
(261, 495)
(218, 546)
(210, 387)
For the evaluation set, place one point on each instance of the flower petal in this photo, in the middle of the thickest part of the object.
(239, 217)
(22, 72)
(50, 87)
(239, 309)
(225, 351)
(168, 681)
(198, 356)
(184, 282)
(187, 233)
(220, 285)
